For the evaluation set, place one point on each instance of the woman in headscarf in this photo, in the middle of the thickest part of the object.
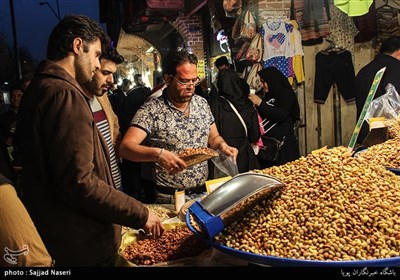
(238, 132)
(279, 109)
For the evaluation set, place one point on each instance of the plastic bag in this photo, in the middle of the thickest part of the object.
(224, 166)
(387, 105)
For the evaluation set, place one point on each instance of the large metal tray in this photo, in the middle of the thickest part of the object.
(225, 204)
(277, 261)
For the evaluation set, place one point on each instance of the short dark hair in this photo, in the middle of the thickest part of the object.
(175, 58)
(222, 61)
(137, 76)
(126, 82)
(112, 54)
(69, 28)
(390, 45)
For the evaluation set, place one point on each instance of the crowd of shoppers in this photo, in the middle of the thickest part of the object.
(75, 198)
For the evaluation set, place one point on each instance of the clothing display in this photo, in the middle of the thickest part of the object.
(333, 67)
(339, 22)
(353, 7)
(388, 23)
(313, 18)
(282, 48)
(366, 25)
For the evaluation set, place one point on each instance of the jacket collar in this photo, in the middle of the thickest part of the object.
(50, 68)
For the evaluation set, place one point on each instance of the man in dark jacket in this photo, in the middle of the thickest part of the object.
(388, 57)
(118, 97)
(66, 178)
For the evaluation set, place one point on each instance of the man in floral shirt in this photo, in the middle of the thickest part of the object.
(177, 120)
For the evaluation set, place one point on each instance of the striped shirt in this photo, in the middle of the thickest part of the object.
(102, 123)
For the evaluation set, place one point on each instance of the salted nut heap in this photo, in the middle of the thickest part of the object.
(386, 154)
(393, 127)
(334, 207)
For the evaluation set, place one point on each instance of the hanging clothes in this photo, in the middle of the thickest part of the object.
(277, 39)
(388, 23)
(366, 25)
(277, 45)
(353, 7)
(330, 67)
(339, 22)
(313, 18)
(296, 62)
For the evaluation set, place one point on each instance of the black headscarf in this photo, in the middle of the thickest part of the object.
(280, 89)
(230, 86)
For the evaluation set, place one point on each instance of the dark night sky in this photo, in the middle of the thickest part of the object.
(34, 22)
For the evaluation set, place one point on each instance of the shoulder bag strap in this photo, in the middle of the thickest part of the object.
(237, 114)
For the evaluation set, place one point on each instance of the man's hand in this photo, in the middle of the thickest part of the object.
(153, 225)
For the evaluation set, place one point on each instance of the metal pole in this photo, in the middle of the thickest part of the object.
(14, 30)
(337, 116)
(57, 15)
(58, 10)
(319, 126)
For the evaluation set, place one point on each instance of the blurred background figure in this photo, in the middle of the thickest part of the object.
(20, 241)
(118, 97)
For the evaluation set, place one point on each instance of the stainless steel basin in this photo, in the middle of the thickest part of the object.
(225, 204)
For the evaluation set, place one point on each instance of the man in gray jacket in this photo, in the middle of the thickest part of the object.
(66, 178)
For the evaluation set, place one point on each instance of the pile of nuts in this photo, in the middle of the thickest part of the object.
(333, 208)
(393, 127)
(174, 244)
(198, 151)
(196, 155)
(386, 154)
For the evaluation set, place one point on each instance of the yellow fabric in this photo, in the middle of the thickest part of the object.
(297, 61)
(298, 68)
(20, 243)
(353, 7)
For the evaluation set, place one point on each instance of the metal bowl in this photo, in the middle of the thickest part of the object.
(278, 261)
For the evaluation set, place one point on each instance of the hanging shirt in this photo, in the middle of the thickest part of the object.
(353, 7)
(277, 39)
(296, 63)
(313, 18)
